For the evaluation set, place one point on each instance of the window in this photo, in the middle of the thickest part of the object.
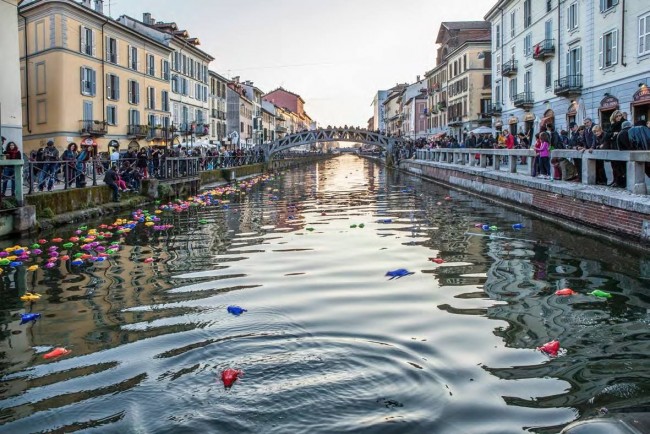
(513, 88)
(164, 67)
(87, 43)
(574, 60)
(528, 45)
(608, 49)
(111, 50)
(152, 120)
(497, 36)
(134, 92)
(111, 115)
(572, 16)
(164, 101)
(175, 81)
(605, 5)
(133, 58)
(487, 81)
(88, 81)
(87, 111)
(112, 87)
(134, 117)
(549, 74)
(549, 5)
(644, 35)
(241, 127)
(151, 65)
(528, 81)
(528, 19)
(512, 24)
(151, 98)
(198, 92)
(498, 63)
(497, 93)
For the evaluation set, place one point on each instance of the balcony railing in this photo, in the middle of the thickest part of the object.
(442, 105)
(159, 133)
(544, 49)
(93, 128)
(455, 121)
(495, 110)
(138, 131)
(201, 129)
(568, 85)
(509, 68)
(280, 129)
(523, 100)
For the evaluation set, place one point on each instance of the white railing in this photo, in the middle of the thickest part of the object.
(635, 161)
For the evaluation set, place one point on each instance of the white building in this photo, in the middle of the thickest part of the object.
(559, 62)
(379, 122)
(11, 118)
(414, 107)
(218, 108)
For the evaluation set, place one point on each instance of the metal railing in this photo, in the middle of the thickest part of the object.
(543, 49)
(93, 128)
(140, 131)
(509, 68)
(524, 161)
(568, 84)
(523, 100)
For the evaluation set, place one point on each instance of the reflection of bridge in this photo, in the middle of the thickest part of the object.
(332, 135)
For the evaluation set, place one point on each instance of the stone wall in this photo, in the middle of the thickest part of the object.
(612, 211)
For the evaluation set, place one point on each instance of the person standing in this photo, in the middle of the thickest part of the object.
(69, 157)
(542, 147)
(50, 158)
(11, 152)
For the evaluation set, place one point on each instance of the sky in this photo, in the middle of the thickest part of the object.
(336, 54)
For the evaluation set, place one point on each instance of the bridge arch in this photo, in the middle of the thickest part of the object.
(332, 135)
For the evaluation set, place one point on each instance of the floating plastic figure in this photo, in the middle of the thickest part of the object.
(57, 352)
(565, 291)
(437, 260)
(229, 376)
(32, 268)
(447, 197)
(485, 227)
(400, 272)
(57, 240)
(385, 221)
(353, 226)
(550, 348)
(29, 317)
(600, 294)
(148, 260)
(517, 226)
(309, 229)
(494, 228)
(236, 310)
(77, 262)
(30, 296)
(480, 225)
(361, 225)
(68, 245)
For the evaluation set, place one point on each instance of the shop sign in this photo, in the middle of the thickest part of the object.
(609, 103)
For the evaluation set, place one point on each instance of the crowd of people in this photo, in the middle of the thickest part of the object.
(621, 134)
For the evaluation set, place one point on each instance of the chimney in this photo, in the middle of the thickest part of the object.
(87, 3)
(99, 6)
(417, 78)
(146, 18)
(236, 79)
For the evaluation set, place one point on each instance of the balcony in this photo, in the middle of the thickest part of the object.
(201, 129)
(495, 110)
(93, 128)
(509, 68)
(523, 100)
(137, 131)
(544, 49)
(484, 117)
(280, 129)
(455, 122)
(158, 133)
(442, 105)
(568, 86)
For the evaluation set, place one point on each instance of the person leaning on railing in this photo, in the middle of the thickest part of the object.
(70, 161)
(11, 152)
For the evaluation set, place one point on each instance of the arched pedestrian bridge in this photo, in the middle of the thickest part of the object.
(345, 134)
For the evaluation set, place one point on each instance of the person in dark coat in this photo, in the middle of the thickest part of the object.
(110, 179)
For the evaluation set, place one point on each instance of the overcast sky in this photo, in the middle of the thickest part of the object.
(335, 53)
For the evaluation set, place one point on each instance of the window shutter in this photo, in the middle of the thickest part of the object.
(137, 92)
(614, 47)
(601, 52)
(117, 87)
(82, 79)
(82, 39)
(602, 5)
(107, 48)
(130, 86)
(93, 81)
(130, 57)
(641, 35)
(108, 85)
(94, 43)
(578, 60)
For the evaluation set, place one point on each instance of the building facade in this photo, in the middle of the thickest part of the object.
(218, 108)
(255, 95)
(414, 110)
(190, 122)
(437, 101)
(90, 80)
(269, 118)
(560, 62)
(294, 108)
(378, 117)
(11, 113)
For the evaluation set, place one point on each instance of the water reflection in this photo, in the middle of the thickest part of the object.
(328, 344)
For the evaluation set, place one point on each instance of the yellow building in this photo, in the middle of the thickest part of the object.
(89, 79)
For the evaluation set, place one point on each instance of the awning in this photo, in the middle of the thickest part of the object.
(134, 146)
(88, 141)
(513, 120)
(546, 120)
(439, 135)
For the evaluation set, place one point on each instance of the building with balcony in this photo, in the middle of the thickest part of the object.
(255, 95)
(414, 109)
(11, 122)
(218, 105)
(188, 75)
(282, 122)
(240, 124)
(378, 118)
(437, 101)
(87, 78)
(268, 121)
(572, 59)
(294, 105)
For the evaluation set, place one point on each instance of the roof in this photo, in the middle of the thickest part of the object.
(219, 76)
(286, 91)
(461, 25)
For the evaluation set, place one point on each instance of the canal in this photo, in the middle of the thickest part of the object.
(329, 343)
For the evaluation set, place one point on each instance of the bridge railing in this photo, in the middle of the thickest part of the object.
(637, 163)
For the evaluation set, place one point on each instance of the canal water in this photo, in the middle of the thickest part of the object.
(329, 343)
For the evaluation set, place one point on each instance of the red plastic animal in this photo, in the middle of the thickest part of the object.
(565, 291)
(229, 376)
(437, 260)
(550, 348)
(57, 352)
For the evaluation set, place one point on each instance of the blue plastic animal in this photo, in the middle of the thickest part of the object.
(400, 272)
(236, 310)
(29, 317)
(384, 221)
(517, 226)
